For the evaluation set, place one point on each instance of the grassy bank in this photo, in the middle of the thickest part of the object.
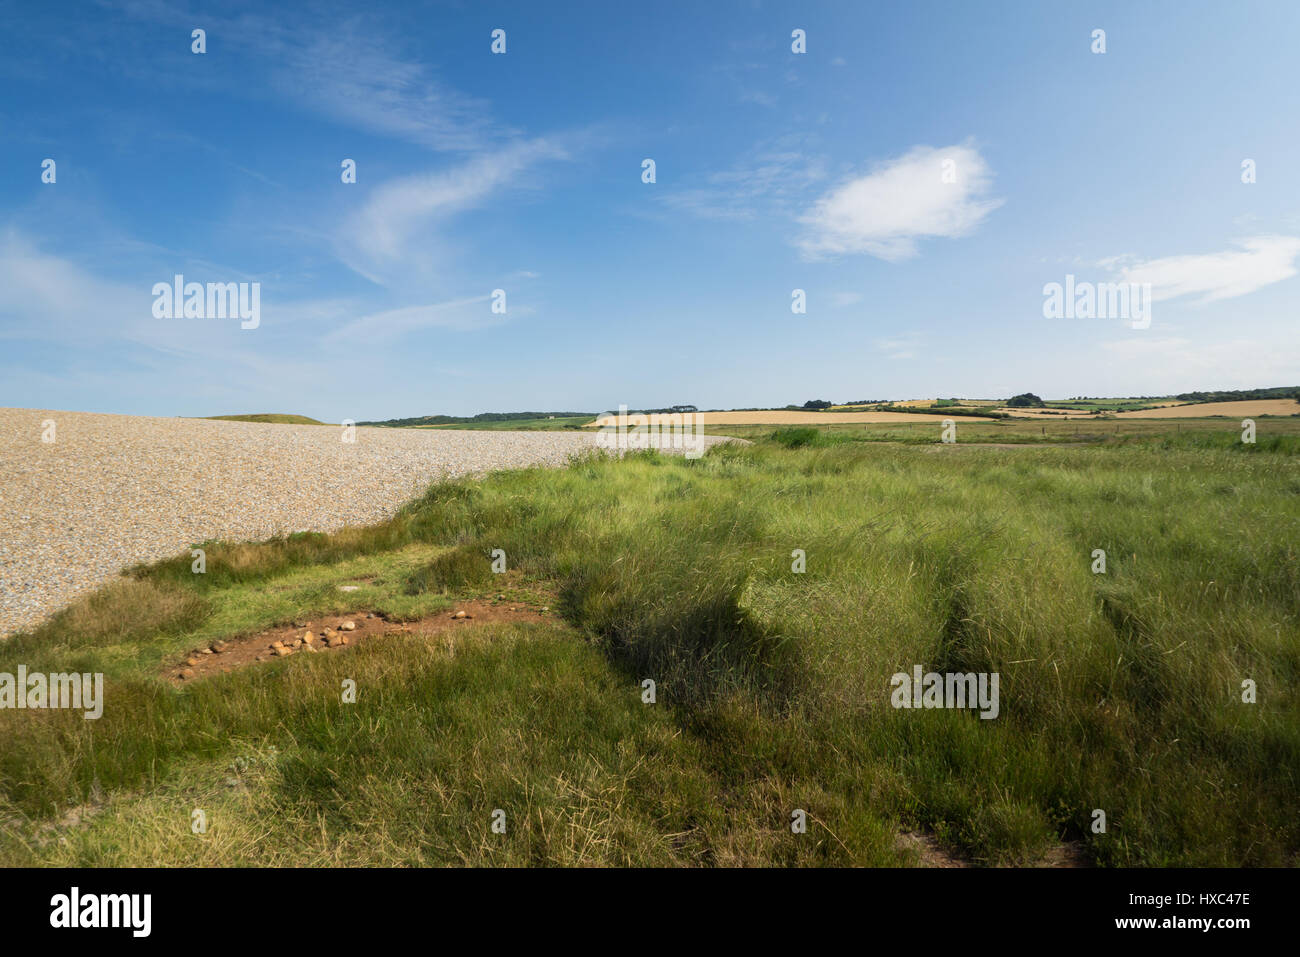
(1119, 691)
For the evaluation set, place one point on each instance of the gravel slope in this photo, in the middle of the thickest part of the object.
(113, 490)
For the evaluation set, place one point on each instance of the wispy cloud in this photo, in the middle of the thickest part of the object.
(346, 74)
(49, 299)
(46, 297)
(778, 177)
(900, 347)
(394, 233)
(1260, 261)
(342, 69)
(381, 327)
(885, 212)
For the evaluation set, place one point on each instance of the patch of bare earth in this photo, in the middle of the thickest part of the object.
(932, 854)
(338, 633)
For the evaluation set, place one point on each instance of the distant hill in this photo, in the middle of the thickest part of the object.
(273, 417)
(479, 419)
(1237, 395)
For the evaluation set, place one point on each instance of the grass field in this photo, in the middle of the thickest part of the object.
(1110, 405)
(1119, 691)
(1056, 430)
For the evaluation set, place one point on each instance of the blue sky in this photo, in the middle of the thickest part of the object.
(774, 171)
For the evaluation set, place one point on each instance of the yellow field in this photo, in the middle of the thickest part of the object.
(789, 417)
(1246, 407)
(800, 417)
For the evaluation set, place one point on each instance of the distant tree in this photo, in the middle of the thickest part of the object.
(685, 408)
(1026, 400)
(817, 404)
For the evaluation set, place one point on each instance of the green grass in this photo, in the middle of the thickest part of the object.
(1108, 405)
(1118, 691)
(271, 417)
(1036, 431)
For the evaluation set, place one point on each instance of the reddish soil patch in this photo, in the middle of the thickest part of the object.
(931, 851)
(231, 653)
(933, 854)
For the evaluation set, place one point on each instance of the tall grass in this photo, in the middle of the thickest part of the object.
(1120, 691)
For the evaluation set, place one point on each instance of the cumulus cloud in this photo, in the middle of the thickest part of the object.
(885, 212)
(1258, 262)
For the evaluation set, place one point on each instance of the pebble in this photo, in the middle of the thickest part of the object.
(116, 490)
(348, 626)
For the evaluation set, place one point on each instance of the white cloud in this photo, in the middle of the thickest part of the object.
(341, 68)
(885, 212)
(1261, 261)
(393, 232)
(841, 299)
(348, 75)
(460, 314)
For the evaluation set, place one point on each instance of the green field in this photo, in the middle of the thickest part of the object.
(1107, 405)
(1119, 692)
